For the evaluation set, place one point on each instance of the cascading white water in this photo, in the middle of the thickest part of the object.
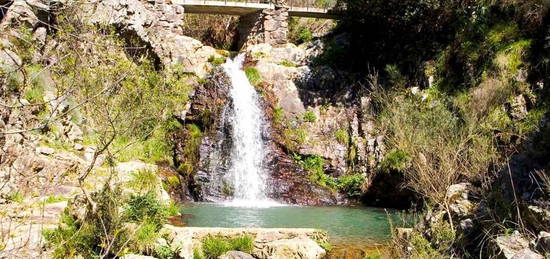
(248, 150)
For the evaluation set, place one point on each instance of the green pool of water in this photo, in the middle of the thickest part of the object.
(345, 225)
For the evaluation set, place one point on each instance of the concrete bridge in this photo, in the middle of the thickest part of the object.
(249, 7)
(261, 21)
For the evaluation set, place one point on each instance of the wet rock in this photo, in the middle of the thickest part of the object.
(236, 255)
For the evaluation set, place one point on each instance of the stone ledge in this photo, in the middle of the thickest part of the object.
(268, 242)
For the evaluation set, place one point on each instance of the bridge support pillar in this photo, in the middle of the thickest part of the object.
(267, 26)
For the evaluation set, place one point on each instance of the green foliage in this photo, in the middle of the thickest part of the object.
(278, 115)
(309, 116)
(108, 230)
(325, 245)
(166, 252)
(438, 246)
(216, 61)
(214, 246)
(342, 136)
(146, 208)
(191, 148)
(395, 160)
(350, 184)
(197, 254)
(305, 35)
(373, 256)
(17, 197)
(253, 75)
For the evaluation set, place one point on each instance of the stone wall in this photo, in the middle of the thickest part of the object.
(268, 26)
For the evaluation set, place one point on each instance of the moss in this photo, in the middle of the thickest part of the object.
(278, 114)
(253, 75)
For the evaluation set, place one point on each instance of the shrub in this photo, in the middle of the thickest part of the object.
(253, 75)
(309, 116)
(395, 160)
(351, 184)
(106, 231)
(305, 35)
(146, 208)
(215, 246)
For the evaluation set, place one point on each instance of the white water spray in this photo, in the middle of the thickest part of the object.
(248, 150)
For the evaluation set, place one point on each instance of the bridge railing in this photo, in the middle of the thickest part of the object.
(292, 4)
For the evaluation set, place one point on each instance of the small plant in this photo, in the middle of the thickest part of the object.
(17, 197)
(309, 116)
(288, 63)
(215, 246)
(54, 199)
(341, 136)
(278, 114)
(253, 75)
(216, 61)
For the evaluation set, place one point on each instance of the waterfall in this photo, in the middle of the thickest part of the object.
(248, 150)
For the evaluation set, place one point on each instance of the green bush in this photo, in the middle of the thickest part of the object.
(146, 208)
(214, 246)
(253, 75)
(305, 35)
(109, 231)
(351, 184)
(309, 116)
(395, 160)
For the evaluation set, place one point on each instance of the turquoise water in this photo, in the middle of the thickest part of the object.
(344, 224)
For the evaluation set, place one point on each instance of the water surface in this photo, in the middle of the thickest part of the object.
(345, 225)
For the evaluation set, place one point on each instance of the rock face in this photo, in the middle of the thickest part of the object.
(155, 25)
(268, 242)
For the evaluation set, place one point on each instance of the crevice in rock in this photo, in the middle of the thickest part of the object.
(136, 48)
(4, 6)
